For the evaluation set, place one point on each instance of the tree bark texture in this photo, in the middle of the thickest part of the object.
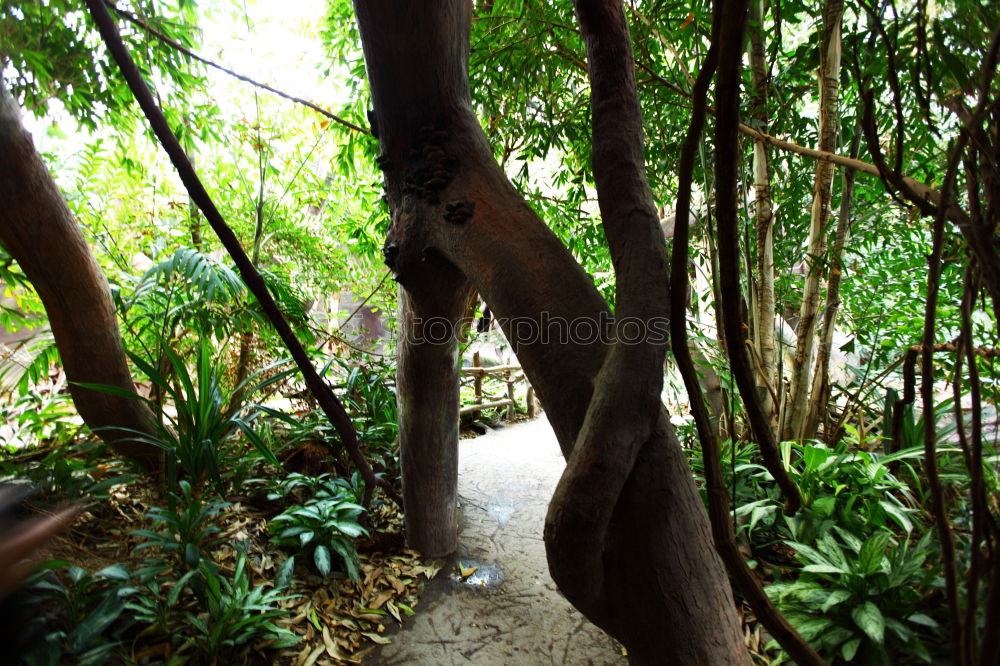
(829, 116)
(39, 231)
(644, 568)
(427, 391)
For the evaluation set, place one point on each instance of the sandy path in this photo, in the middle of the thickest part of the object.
(508, 611)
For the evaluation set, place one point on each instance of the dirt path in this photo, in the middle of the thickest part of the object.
(508, 610)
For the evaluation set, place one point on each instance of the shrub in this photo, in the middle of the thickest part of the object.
(326, 523)
(858, 600)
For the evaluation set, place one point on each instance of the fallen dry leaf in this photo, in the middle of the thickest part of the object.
(376, 638)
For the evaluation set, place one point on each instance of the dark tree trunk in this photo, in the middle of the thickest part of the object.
(647, 572)
(39, 231)
(427, 388)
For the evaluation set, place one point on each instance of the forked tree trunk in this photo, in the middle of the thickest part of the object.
(39, 231)
(829, 85)
(647, 572)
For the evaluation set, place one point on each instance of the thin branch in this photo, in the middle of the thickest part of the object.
(718, 500)
(365, 302)
(727, 88)
(325, 396)
(929, 201)
(669, 46)
(140, 23)
(980, 508)
(938, 508)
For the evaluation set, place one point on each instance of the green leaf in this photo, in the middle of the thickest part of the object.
(813, 626)
(900, 629)
(836, 597)
(321, 556)
(99, 619)
(850, 648)
(869, 619)
(284, 575)
(345, 549)
(898, 514)
(809, 554)
(259, 444)
(191, 555)
(873, 553)
(350, 529)
(114, 572)
(920, 618)
(824, 506)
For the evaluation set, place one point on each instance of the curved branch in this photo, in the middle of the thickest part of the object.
(727, 159)
(626, 403)
(979, 237)
(959, 644)
(938, 508)
(628, 213)
(718, 500)
(325, 396)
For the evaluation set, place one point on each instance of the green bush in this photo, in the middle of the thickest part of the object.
(187, 530)
(199, 437)
(851, 489)
(326, 523)
(858, 600)
(235, 614)
(78, 625)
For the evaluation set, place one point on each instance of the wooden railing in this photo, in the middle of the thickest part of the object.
(510, 374)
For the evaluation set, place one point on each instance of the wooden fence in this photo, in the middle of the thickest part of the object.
(510, 375)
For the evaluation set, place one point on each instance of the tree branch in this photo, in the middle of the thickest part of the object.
(141, 24)
(626, 403)
(978, 236)
(938, 508)
(727, 159)
(718, 500)
(325, 396)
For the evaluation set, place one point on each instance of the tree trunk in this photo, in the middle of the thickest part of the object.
(647, 572)
(427, 385)
(820, 395)
(39, 231)
(245, 356)
(805, 331)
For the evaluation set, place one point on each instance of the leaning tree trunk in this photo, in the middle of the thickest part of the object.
(627, 535)
(829, 84)
(39, 231)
